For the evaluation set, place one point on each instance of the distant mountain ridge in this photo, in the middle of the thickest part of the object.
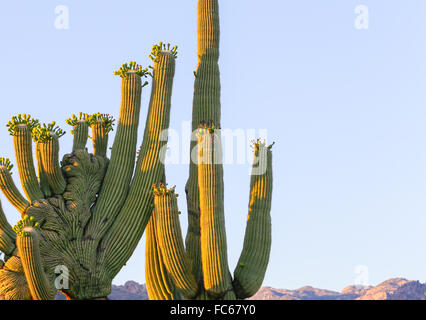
(131, 290)
(392, 289)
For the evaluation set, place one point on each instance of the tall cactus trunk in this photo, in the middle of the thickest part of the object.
(206, 106)
(206, 247)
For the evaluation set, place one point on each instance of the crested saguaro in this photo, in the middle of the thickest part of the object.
(87, 212)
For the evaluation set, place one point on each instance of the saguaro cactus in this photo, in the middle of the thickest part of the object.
(201, 271)
(87, 213)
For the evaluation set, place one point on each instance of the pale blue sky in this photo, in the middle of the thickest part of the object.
(345, 106)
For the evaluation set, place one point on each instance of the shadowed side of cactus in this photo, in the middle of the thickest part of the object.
(201, 271)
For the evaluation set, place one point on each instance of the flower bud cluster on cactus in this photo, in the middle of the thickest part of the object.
(160, 48)
(27, 222)
(106, 120)
(161, 190)
(259, 143)
(5, 162)
(43, 133)
(207, 127)
(22, 120)
(75, 119)
(132, 67)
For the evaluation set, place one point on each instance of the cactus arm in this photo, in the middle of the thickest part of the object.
(120, 169)
(81, 134)
(42, 177)
(7, 235)
(27, 241)
(119, 243)
(49, 155)
(21, 130)
(251, 267)
(170, 240)
(101, 125)
(100, 140)
(47, 139)
(13, 285)
(7, 245)
(217, 280)
(80, 130)
(158, 283)
(5, 226)
(9, 188)
(206, 106)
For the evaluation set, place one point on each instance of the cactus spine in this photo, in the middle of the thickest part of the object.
(202, 272)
